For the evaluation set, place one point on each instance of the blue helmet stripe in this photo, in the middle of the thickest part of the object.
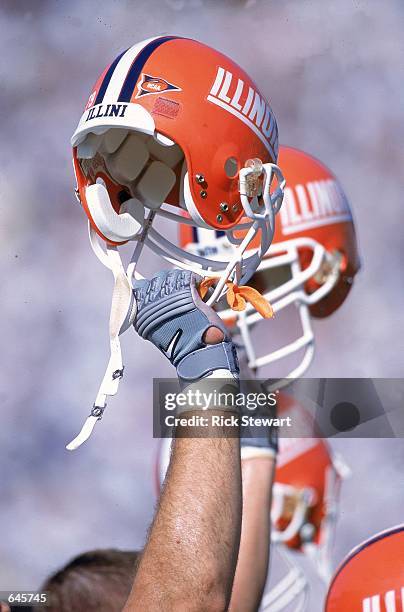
(137, 66)
(107, 78)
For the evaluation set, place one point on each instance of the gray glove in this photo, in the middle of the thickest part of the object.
(171, 315)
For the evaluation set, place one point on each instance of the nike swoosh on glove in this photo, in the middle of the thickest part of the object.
(171, 315)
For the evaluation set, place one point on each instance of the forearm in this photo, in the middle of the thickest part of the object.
(191, 554)
(253, 559)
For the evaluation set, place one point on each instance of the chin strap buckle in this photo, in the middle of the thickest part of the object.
(123, 311)
(97, 411)
(118, 374)
(87, 429)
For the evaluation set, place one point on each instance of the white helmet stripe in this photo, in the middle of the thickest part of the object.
(121, 71)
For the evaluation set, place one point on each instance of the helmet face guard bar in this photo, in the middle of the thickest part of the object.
(320, 554)
(237, 267)
(292, 588)
(290, 292)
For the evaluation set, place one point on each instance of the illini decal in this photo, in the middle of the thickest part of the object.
(154, 85)
(242, 101)
(312, 205)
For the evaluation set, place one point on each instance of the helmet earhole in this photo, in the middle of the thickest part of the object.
(123, 196)
(231, 167)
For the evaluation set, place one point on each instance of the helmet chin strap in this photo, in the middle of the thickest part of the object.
(122, 315)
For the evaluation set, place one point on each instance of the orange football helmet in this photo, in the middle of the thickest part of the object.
(153, 134)
(304, 505)
(174, 129)
(371, 577)
(311, 263)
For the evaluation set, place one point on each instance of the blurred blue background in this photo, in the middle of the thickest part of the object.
(334, 74)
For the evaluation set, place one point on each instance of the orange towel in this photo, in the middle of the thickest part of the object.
(237, 296)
